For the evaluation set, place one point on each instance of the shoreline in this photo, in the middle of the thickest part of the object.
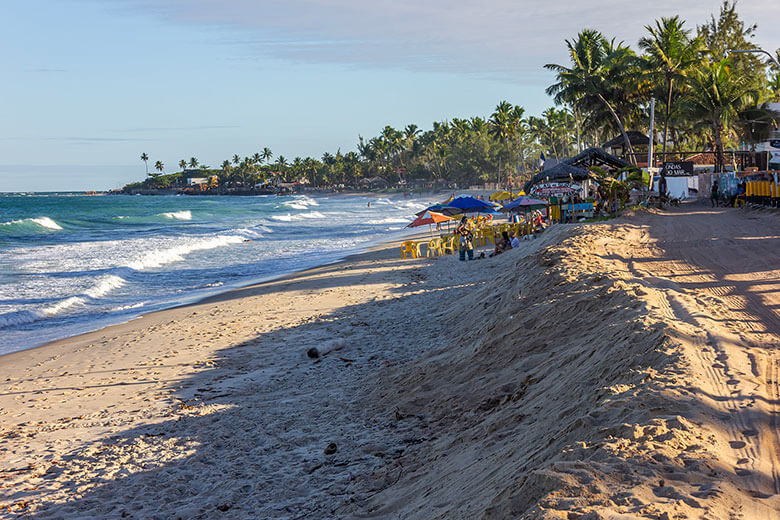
(197, 300)
(134, 386)
(617, 369)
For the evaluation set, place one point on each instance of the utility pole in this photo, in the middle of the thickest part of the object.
(652, 135)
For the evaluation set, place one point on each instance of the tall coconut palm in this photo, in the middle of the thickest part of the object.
(182, 164)
(145, 158)
(236, 159)
(193, 162)
(281, 162)
(670, 55)
(159, 166)
(598, 69)
(715, 98)
(266, 154)
(501, 128)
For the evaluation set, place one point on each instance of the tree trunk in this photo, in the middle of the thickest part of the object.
(499, 171)
(666, 116)
(577, 124)
(626, 140)
(666, 128)
(717, 136)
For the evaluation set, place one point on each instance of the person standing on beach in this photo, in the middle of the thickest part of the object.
(714, 195)
(465, 244)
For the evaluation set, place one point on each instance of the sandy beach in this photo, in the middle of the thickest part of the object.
(618, 370)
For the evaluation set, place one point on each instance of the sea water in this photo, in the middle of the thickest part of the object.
(72, 263)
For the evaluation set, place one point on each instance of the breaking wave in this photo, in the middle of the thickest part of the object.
(298, 217)
(102, 286)
(178, 215)
(160, 257)
(32, 224)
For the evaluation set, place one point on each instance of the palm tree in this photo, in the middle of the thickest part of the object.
(598, 70)
(774, 87)
(715, 99)
(159, 166)
(670, 55)
(236, 159)
(501, 128)
(266, 154)
(145, 158)
(182, 164)
(282, 163)
(193, 162)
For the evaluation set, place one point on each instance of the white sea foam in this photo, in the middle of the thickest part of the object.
(298, 217)
(389, 220)
(301, 203)
(249, 233)
(62, 305)
(178, 215)
(102, 286)
(14, 318)
(127, 307)
(44, 222)
(160, 257)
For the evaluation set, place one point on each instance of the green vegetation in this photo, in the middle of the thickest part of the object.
(710, 100)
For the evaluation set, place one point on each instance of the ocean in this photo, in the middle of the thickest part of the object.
(72, 263)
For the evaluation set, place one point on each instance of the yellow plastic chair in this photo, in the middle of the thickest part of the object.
(434, 248)
(410, 248)
(450, 245)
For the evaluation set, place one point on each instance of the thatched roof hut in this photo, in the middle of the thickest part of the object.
(373, 182)
(634, 137)
(577, 168)
(597, 157)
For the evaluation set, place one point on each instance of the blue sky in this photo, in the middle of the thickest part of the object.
(91, 84)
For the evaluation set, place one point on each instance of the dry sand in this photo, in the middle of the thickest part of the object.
(619, 370)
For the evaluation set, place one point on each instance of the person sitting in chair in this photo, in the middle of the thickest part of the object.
(503, 244)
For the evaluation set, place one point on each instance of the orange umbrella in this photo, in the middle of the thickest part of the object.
(429, 217)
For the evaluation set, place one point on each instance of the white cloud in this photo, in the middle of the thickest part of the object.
(496, 37)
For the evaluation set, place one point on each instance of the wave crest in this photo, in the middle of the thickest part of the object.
(32, 223)
(178, 215)
(298, 217)
(160, 257)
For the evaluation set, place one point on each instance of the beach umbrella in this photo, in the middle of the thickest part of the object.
(468, 204)
(525, 204)
(502, 195)
(442, 209)
(429, 217)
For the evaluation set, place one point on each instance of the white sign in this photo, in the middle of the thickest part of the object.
(554, 188)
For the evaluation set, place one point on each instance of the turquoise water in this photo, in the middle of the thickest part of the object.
(73, 263)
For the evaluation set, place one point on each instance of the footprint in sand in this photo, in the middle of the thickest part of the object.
(737, 444)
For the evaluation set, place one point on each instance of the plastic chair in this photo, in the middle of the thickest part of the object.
(434, 248)
(450, 245)
(410, 248)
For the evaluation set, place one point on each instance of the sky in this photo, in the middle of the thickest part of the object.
(89, 85)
